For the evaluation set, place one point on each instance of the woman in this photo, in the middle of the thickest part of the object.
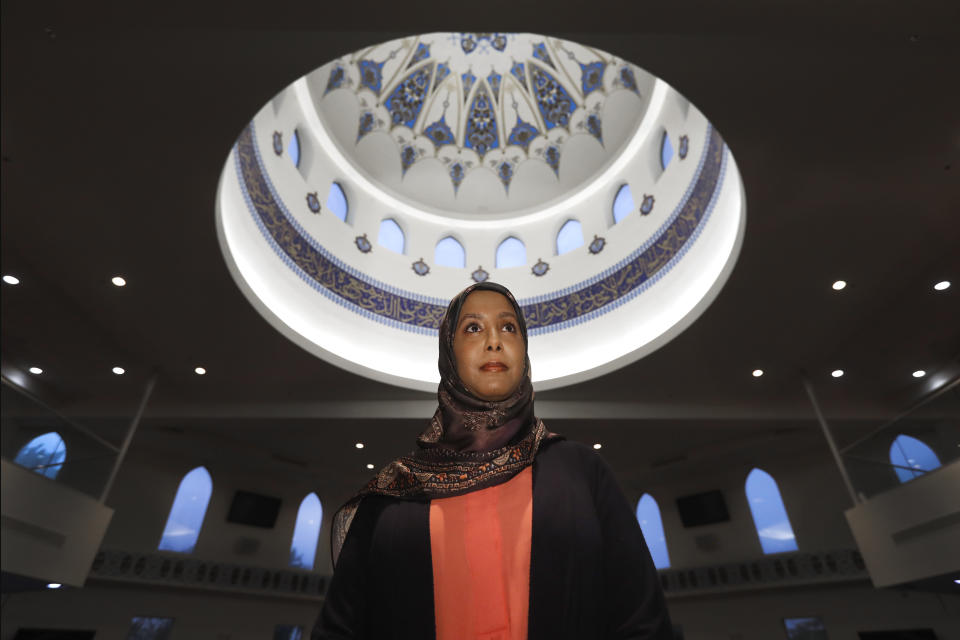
(494, 528)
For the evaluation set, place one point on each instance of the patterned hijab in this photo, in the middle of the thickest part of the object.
(469, 444)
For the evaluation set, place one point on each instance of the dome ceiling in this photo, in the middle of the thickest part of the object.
(474, 123)
(369, 192)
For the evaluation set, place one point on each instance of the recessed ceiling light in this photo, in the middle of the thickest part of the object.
(919, 373)
(957, 581)
(200, 371)
(54, 585)
(757, 373)
(597, 445)
(836, 373)
(118, 281)
(119, 371)
(940, 286)
(35, 370)
(369, 466)
(839, 284)
(16, 280)
(359, 445)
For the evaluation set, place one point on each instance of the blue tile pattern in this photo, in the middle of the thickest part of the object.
(371, 75)
(406, 100)
(363, 243)
(647, 205)
(540, 53)
(494, 81)
(505, 173)
(552, 157)
(457, 174)
(409, 311)
(335, 81)
(408, 155)
(539, 269)
(468, 79)
(443, 70)
(522, 134)
(591, 77)
(518, 72)
(365, 125)
(594, 127)
(684, 147)
(313, 202)
(439, 133)
(481, 133)
(479, 275)
(628, 80)
(422, 53)
(420, 267)
(278, 143)
(554, 102)
(597, 245)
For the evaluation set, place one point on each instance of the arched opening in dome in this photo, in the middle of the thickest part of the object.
(666, 150)
(391, 236)
(306, 532)
(337, 201)
(769, 513)
(187, 513)
(45, 454)
(648, 515)
(622, 204)
(293, 149)
(570, 237)
(511, 253)
(911, 458)
(450, 253)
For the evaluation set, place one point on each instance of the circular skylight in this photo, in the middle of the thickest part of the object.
(365, 195)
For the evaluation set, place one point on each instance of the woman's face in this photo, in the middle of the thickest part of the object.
(488, 347)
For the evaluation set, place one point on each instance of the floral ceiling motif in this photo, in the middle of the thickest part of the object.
(481, 101)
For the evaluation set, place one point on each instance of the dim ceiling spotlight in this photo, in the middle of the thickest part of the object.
(16, 280)
(597, 445)
(35, 370)
(757, 373)
(919, 373)
(943, 285)
(359, 445)
(836, 373)
(839, 284)
(369, 466)
(119, 371)
(118, 281)
(200, 371)
(54, 585)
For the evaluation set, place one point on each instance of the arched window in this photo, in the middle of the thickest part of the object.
(293, 149)
(648, 515)
(391, 235)
(511, 253)
(306, 532)
(769, 514)
(450, 253)
(622, 204)
(186, 514)
(337, 201)
(914, 454)
(570, 237)
(44, 454)
(666, 151)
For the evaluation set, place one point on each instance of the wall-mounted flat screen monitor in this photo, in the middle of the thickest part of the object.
(702, 508)
(809, 628)
(254, 509)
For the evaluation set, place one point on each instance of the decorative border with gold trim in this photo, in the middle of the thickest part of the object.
(414, 312)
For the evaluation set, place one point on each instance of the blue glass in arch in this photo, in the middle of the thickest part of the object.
(648, 515)
(666, 151)
(337, 201)
(44, 454)
(570, 237)
(186, 515)
(293, 150)
(306, 532)
(769, 514)
(450, 253)
(511, 253)
(907, 451)
(391, 235)
(622, 204)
